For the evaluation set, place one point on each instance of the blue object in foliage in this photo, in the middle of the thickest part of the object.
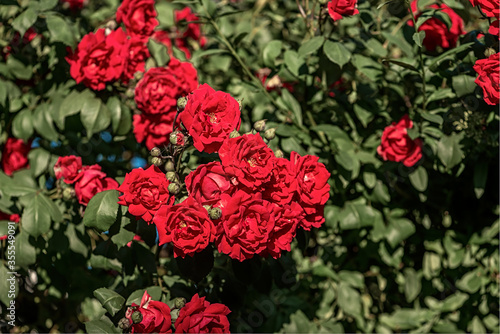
(106, 136)
(138, 162)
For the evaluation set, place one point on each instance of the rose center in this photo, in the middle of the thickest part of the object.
(182, 224)
(213, 118)
(252, 162)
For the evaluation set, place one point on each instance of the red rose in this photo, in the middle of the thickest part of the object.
(490, 8)
(274, 83)
(144, 192)
(15, 155)
(199, 316)
(207, 183)
(247, 160)
(138, 16)
(91, 181)
(397, 146)
(192, 30)
(99, 58)
(436, 31)
(342, 8)
(136, 61)
(210, 116)
(186, 225)
(68, 168)
(312, 188)
(74, 4)
(157, 92)
(153, 129)
(494, 28)
(246, 223)
(488, 78)
(155, 316)
(287, 218)
(283, 184)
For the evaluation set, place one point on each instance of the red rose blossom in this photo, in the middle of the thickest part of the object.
(494, 28)
(138, 53)
(283, 184)
(154, 130)
(199, 316)
(397, 146)
(436, 31)
(210, 116)
(192, 30)
(74, 4)
(155, 316)
(138, 16)
(491, 8)
(157, 92)
(488, 78)
(342, 8)
(246, 223)
(91, 181)
(144, 192)
(68, 168)
(99, 58)
(186, 225)
(207, 183)
(15, 155)
(247, 160)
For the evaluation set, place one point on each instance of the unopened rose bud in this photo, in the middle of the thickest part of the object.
(124, 323)
(155, 152)
(68, 193)
(240, 104)
(138, 75)
(157, 161)
(136, 317)
(177, 138)
(174, 188)
(208, 208)
(260, 125)
(171, 176)
(111, 25)
(279, 154)
(170, 166)
(181, 103)
(130, 93)
(179, 302)
(174, 314)
(234, 134)
(270, 134)
(489, 52)
(215, 213)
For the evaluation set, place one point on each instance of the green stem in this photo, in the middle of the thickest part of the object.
(422, 67)
(236, 56)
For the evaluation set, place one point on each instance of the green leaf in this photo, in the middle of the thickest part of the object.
(20, 71)
(136, 296)
(345, 159)
(311, 46)
(398, 230)
(419, 179)
(454, 302)
(432, 118)
(449, 150)
(20, 184)
(356, 215)
(434, 66)
(111, 300)
(36, 218)
(271, 51)
(293, 62)
(463, 84)
(159, 52)
(337, 53)
(480, 177)
(418, 37)
(470, 282)
(75, 243)
(121, 118)
(106, 263)
(60, 30)
(95, 116)
(349, 299)
(102, 210)
(99, 327)
(293, 105)
(25, 252)
(5, 286)
(24, 21)
(476, 326)
(353, 278)
(406, 318)
(42, 121)
(123, 236)
(413, 285)
(39, 161)
(22, 126)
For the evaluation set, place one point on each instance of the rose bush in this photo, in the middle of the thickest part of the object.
(311, 166)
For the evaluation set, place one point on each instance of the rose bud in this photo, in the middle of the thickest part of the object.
(171, 176)
(157, 161)
(279, 153)
(260, 125)
(489, 52)
(68, 193)
(181, 103)
(136, 317)
(234, 134)
(215, 213)
(170, 166)
(179, 302)
(155, 152)
(177, 138)
(270, 133)
(174, 188)
(124, 323)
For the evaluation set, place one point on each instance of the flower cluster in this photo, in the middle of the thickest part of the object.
(196, 316)
(87, 180)
(489, 78)
(15, 155)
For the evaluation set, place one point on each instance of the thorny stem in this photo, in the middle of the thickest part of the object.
(422, 68)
